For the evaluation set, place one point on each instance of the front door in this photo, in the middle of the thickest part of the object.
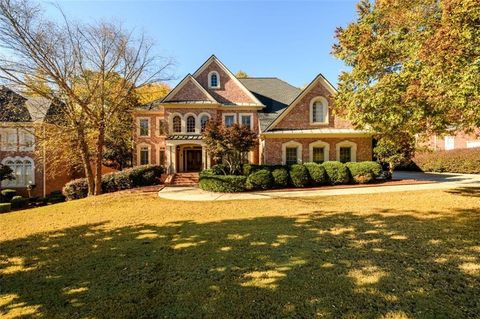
(193, 160)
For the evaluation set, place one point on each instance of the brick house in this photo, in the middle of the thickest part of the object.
(293, 125)
(21, 120)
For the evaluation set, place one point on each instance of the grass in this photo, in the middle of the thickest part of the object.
(396, 255)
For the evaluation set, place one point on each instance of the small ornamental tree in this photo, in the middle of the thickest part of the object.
(6, 173)
(229, 145)
(395, 150)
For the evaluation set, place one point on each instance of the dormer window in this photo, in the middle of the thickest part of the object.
(213, 80)
(319, 111)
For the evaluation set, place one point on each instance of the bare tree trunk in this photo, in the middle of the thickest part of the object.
(85, 156)
(99, 158)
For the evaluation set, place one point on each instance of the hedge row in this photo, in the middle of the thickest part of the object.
(462, 161)
(145, 175)
(261, 177)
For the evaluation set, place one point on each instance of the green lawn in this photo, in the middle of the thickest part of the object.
(395, 255)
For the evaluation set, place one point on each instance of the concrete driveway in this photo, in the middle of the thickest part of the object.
(432, 181)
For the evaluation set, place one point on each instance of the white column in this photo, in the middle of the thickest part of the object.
(204, 157)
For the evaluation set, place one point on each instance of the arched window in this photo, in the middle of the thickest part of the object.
(203, 121)
(190, 124)
(213, 80)
(177, 124)
(22, 170)
(319, 111)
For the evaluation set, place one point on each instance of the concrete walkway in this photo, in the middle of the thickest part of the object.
(432, 181)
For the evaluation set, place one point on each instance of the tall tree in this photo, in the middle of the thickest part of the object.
(152, 92)
(414, 66)
(92, 68)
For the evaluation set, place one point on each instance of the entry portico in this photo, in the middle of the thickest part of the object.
(186, 153)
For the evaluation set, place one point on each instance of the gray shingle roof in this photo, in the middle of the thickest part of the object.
(274, 93)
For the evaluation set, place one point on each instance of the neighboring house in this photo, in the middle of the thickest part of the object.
(21, 119)
(294, 126)
(454, 141)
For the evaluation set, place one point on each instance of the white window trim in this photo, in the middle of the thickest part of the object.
(292, 144)
(199, 120)
(229, 114)
(473, 143)
(149, 126)
(196, 131)
(350, 144)
(21, 158)
(325, 110)
(209, 80)
(246, 114)
(139, 149)
(170, 123)
(319, 143)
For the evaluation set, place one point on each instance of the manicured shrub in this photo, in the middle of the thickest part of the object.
(19, 202)
(364, 172)
(7, 195)
(221, 183)
(5, 207)
(220, 169)
(317, 173)
(145, 175)
(76, 189)
(261, 179)
(337, 172)
(462, 161)
(280, 177)
(299, 176)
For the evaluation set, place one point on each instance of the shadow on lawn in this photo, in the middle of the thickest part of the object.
(316, 265)
(466, 191)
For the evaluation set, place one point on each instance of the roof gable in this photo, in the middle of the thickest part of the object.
(189, 90)
(319, 80)
(231, 90)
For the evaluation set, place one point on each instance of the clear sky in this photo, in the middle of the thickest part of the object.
(288, 39)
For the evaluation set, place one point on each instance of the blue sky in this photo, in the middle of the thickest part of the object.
(289, 40)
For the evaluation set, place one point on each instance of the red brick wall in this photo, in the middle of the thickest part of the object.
(299, 115)
(155, 141)
(229, 92)
(273, 148)
(189, 92)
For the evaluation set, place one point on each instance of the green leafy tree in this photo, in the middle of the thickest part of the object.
(229, 145)
(414, 67)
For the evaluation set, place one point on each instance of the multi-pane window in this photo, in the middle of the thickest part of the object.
(291, 155)
(8, 139)
(22, 171)
(144, 155)
(144, 127)
(229, 120)
(213, 80)
(190, 124)
(27, 141)
(318, 154)
(203, 122)
(319, 112)
(246, 120)
(177, 124)
(345, 154)
(161, 157)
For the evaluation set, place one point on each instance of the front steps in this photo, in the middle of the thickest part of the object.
(183, 179)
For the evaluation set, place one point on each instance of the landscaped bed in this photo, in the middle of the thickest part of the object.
(121, 255)
(265, 177)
